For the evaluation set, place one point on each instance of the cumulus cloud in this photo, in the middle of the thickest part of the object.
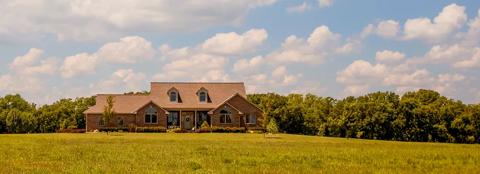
(471, 62)
(325, 3)
(121, 80)
(450, 19)
(321, 44)
(248, 66)
(128, 50)
(195, 67)
(299, 8)
(82, 63)
(233, 43)
(86, 20)
(385, 29)
(388, 56)
(33, 64)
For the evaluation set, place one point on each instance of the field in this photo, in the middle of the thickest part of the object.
(227, 153)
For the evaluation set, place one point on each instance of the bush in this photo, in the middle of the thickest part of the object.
(158, 129)
(223, 130)
(272, 127)
(256, 130)
(113, 129)
(131, 127)
(71, 131)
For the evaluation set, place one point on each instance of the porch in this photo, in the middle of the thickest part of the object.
(187, 119)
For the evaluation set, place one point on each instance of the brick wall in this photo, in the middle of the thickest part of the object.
(161, 117)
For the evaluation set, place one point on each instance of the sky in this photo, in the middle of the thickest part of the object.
(52, 49)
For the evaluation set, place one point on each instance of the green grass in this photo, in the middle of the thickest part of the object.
(227, 153)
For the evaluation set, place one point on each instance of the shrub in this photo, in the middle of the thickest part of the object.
(131, 127)
(256, 130)
(225, 130)
(113, 129)
(272, 126)
(158, 129)
(71, 131)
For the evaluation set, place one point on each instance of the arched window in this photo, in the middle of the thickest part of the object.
(150, 115)
(202, 96)
(173, 96)
(225, 116)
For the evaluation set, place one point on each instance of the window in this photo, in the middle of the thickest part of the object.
(225, 116)
(251, 119)
(150, 115)
(173, 96)
(202, 96)
(120, 122)
(101, 122)
(173, 119)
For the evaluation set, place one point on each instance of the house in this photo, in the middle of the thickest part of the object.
(184, 105)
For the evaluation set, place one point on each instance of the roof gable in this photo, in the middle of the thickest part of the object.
(217, 93)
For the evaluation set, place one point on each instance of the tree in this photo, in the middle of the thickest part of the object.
(108, 110)
(272, 126)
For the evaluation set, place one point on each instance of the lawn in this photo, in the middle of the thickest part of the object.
(227, 153)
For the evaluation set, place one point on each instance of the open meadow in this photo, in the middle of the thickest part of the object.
(227, 153)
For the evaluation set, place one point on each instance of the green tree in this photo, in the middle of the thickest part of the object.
(108, 110)
(272, 126)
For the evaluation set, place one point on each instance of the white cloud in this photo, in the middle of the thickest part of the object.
(196, 66)
(128, 50)
(86, 20)
(321, 44)
(388, 29)
(450, 19)
(233, 43)
(471, 62)
(122, 80)
(33, 64)
(325, 3)
(385, 29)
(299, 8)
(446, 83)
(387, 56)
(82, 63)
(248, 66)
(361, 72)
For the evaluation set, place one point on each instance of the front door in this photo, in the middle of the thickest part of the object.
(187, 118)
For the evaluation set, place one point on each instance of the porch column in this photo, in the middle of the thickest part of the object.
(180, 119)
(195, 117)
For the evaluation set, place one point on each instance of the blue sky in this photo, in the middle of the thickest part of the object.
(55, 49)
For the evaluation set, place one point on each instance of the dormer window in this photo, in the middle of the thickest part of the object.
(202, 96)
(173, 96)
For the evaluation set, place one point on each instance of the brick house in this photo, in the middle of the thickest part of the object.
(182, 105)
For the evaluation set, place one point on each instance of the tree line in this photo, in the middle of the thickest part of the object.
(422, 115)
(19, 116)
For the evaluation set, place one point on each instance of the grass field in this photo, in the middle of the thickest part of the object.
(227, 153)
